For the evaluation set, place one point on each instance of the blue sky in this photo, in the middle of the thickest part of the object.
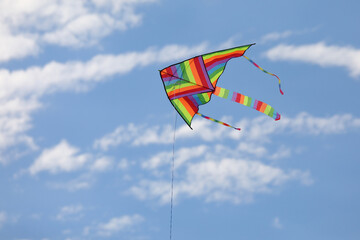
(86, 129)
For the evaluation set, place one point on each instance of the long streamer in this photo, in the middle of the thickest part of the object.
(217, 121)
(265, 72)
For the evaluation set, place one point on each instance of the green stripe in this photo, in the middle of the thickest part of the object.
(271, 113)
(184, 72)
(267, 109)
(207, 56)
(182, 110)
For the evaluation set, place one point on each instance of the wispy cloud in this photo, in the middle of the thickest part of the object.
(21, 90)
(61, 158)
(3, 218)
(84, 181)
(102, 164)
(216, 179)
(71, 212)
(274, 36)
(257, 129)
(320, 54)
(276, 223)
(25, 27)
(118, 224)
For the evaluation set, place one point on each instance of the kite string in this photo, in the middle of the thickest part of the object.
(172, 179)
(173, 170)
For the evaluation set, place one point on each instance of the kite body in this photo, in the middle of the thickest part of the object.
(191, 83)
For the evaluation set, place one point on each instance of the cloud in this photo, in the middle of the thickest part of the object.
(24, 27)
(82, 182)
(21, 90)
(102, 164)
(182, 156)
(221, 180)
(16, 46)
(118, 224)
(60, 158)
(276, 223)
(254, 130)
(71, 212)
(320, 54)
(3, 219)
(274, 36)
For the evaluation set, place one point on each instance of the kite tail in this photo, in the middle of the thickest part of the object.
(247, 101)
(265, 72)
(217, 121)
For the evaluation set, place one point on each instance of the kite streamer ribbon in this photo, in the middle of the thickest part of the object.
(217, 121)
(247, 101)
(265, 72)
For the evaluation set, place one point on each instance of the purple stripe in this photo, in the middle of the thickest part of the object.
(193, 101)
(234, 96)
(204, 72)
(174, 70)
(255, 104)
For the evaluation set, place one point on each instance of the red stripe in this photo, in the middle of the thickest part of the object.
(200, 72)
(192, 105)
(259, 105)
(238, 97)
(187, 92)
(214, 59)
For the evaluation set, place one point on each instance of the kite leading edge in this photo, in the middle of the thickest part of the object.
(192, 82)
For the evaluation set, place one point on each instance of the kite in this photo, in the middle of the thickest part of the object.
(191, 83)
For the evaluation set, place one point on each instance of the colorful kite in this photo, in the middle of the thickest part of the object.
(192, 82)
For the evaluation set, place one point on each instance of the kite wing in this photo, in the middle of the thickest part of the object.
(191, 83)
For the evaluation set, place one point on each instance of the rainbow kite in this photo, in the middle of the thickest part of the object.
(192, 82)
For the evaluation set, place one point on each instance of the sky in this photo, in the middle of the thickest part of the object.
(87, 131)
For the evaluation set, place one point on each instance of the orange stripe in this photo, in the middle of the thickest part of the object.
(242, 99)
(217, 91)
(210, 61)
(195, 72)
(263, 107)
(190, 110)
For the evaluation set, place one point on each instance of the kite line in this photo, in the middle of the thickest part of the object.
(172, 177)
(173, 167)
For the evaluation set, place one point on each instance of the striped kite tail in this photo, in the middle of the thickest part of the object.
(265, 72)
(217, 121)
(247, 101)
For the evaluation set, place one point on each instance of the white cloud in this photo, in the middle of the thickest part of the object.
(253, 130)
(273, 36)
(319, 54)
(101, 164)
(28, 86)
(16, 46)
(276, 223)
(224, 180)
(118, 224)
(123, 164)
(80, 183)
(71, 212)
(3, 218)
(182, 156)
(60, 158)
(25, 26)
